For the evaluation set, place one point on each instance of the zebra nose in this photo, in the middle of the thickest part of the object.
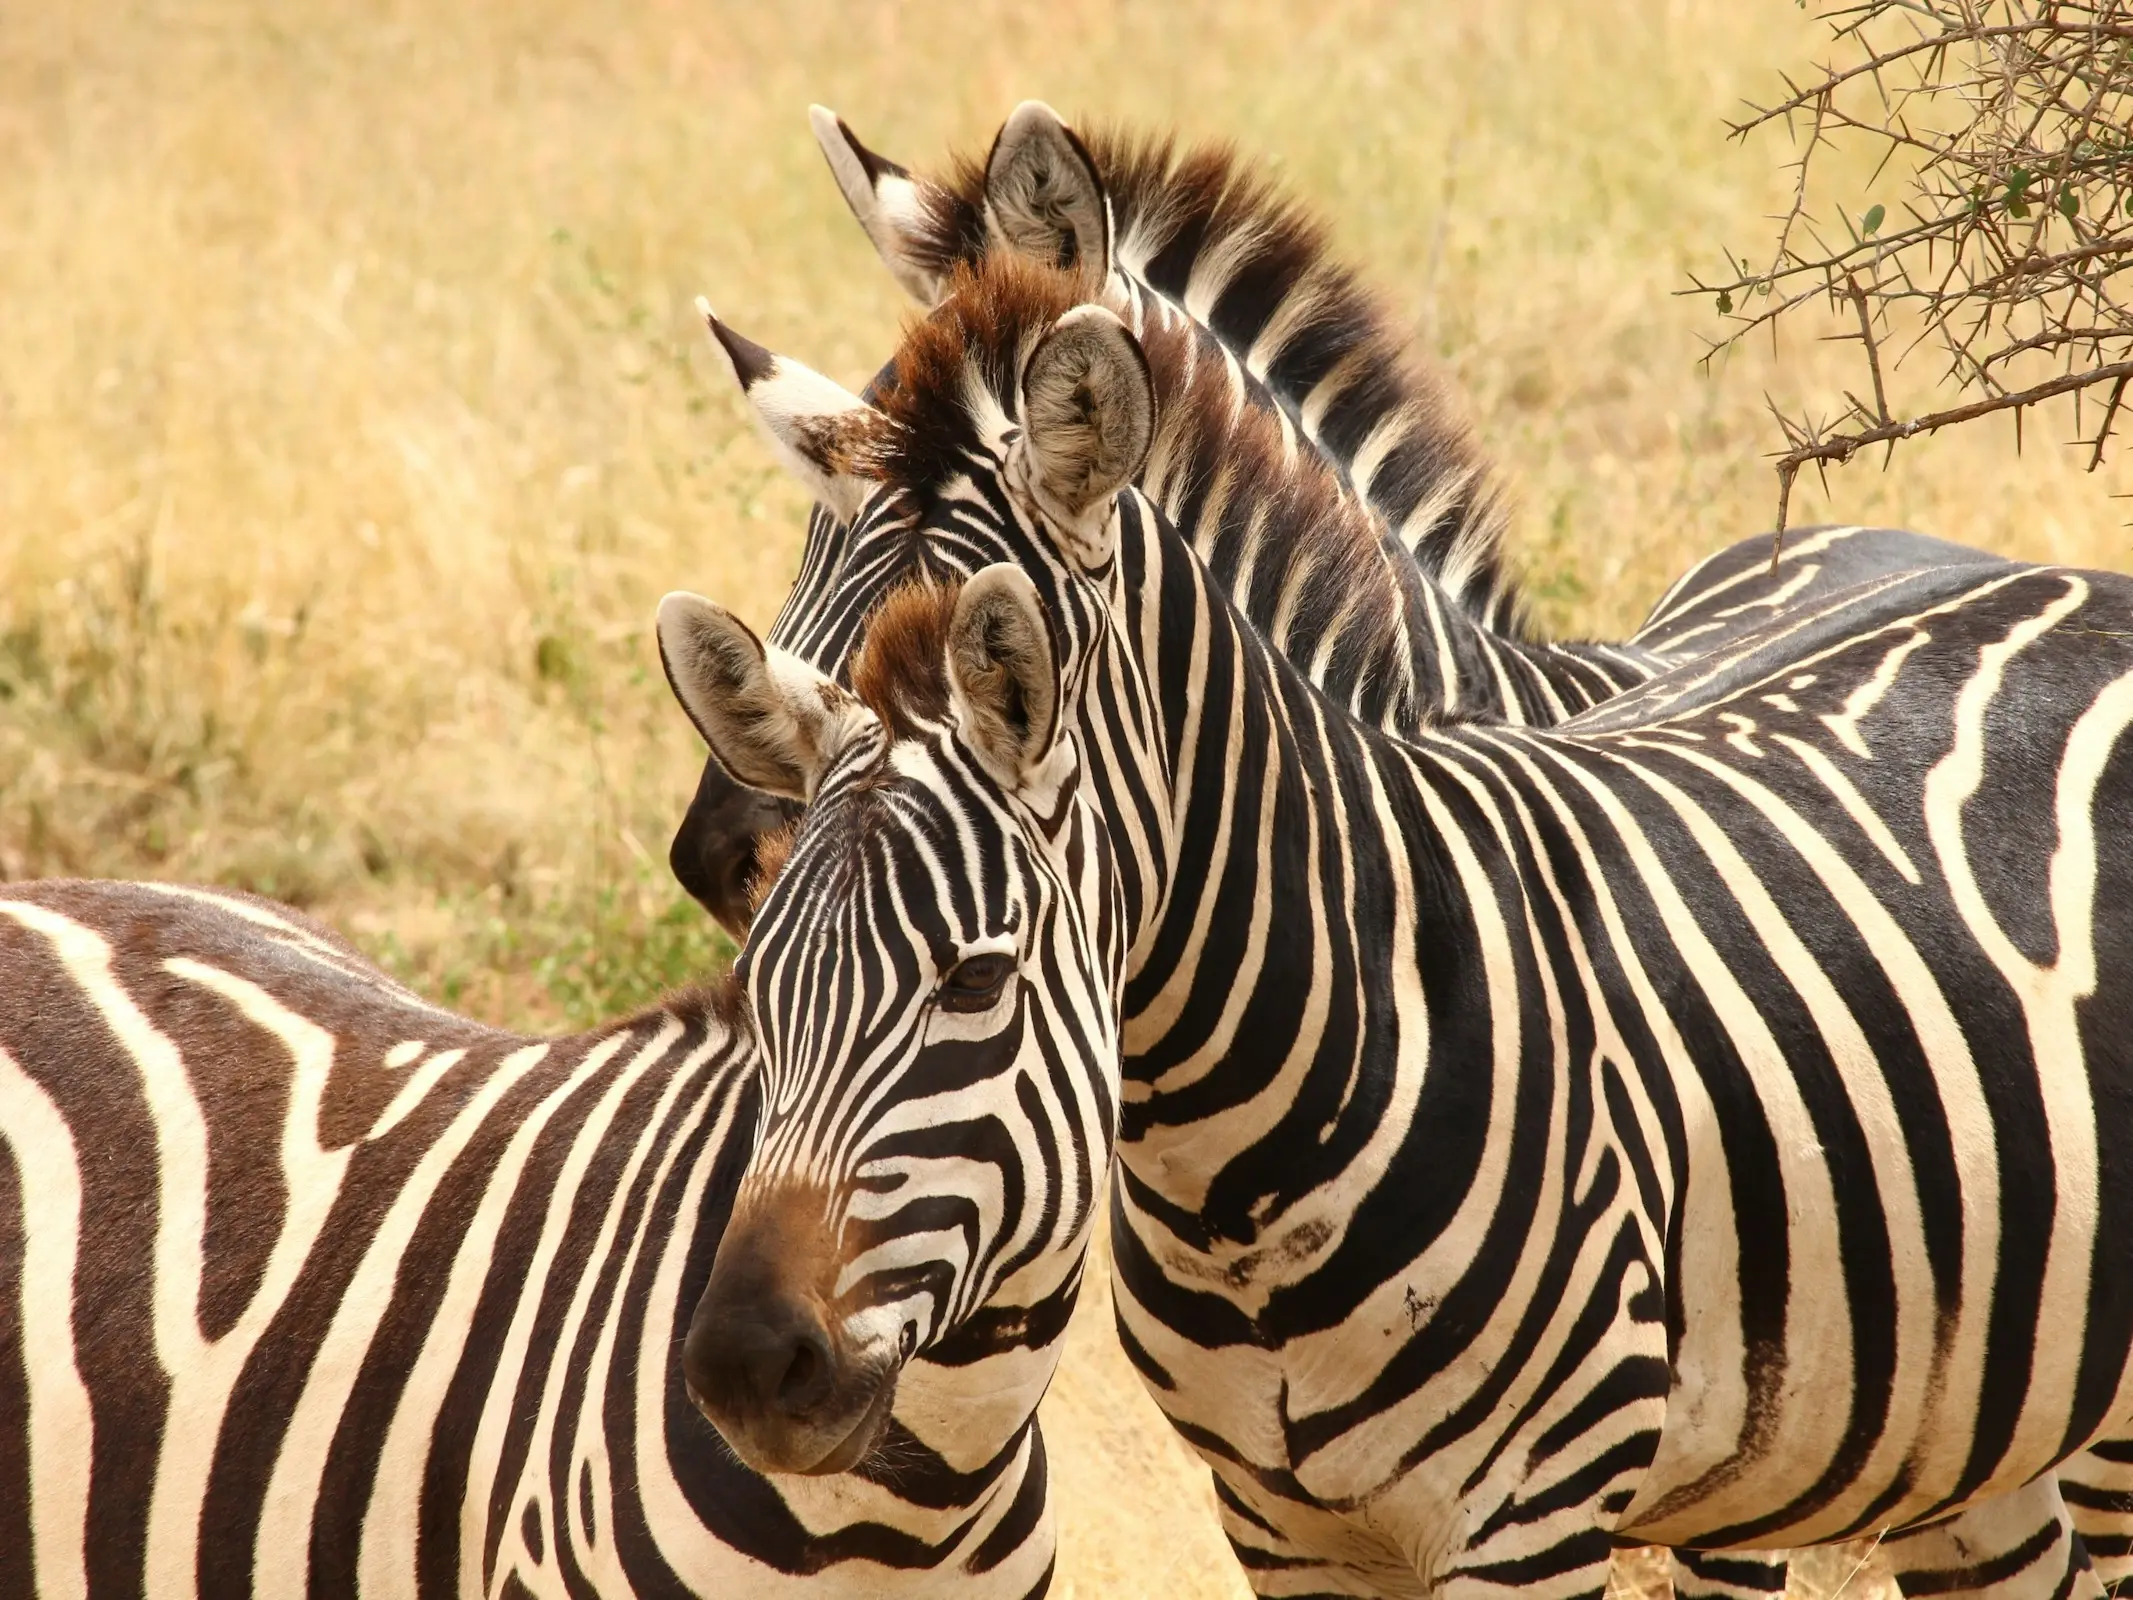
(766, 1363)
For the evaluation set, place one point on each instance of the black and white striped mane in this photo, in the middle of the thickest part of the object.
(1275, 527)
(1212, 232)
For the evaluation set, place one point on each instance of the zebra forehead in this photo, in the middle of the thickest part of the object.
(976, 338)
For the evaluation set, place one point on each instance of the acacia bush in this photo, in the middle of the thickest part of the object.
(2008, 125)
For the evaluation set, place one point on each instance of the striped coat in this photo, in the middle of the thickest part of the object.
(309, 1288)
(1693, 1125)
(1198, 248)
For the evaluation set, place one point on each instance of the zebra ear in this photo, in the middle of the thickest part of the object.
(773, 721)
(1043, 196)
(821, 431)
(890, 204)
(1088, 418)
(1003, 680)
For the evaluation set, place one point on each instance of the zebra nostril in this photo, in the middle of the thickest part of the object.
(807, 1374)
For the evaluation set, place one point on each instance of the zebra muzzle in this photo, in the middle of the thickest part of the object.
(770, 1366)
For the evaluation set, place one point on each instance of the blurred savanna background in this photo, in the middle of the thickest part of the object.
(353, 418)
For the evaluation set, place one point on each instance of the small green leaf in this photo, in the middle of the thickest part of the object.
(2069, 204)
(2017, 209)
(1725, 303)
(553, 659)
(1871, 222)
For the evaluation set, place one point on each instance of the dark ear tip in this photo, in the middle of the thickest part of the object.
(828, 125)
(751, 362)
(878, 166)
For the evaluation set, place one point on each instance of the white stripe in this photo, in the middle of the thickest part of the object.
(62, 1431)
(412, 1093)
(181, 1224)
(281, 1560)
(507, 1400)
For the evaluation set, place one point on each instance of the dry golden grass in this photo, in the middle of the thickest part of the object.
(352, 418)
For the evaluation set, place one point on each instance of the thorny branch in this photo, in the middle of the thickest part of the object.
(2008, 125)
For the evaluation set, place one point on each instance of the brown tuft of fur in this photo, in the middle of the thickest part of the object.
(772, 851)
(901, 667)
(995, 310)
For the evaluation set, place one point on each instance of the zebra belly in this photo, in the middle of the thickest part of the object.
(1832, 1378)
(1817, 1465)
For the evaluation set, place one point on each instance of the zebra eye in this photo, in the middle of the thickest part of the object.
(974, 984)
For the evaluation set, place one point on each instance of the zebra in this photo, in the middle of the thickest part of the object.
(1668, 1128)
(1200, 241)
(308, 1287)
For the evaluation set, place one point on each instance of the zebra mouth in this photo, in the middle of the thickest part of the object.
(860, 1442)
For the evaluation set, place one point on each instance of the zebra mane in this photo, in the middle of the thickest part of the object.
(900, 670)
(716, 1004)
(1300, 558)
(1215, 234)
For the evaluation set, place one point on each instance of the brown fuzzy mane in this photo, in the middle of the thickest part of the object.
(1300, 558)
(1316, 562)
(1174, 207)
(995, 311)
(901, 667)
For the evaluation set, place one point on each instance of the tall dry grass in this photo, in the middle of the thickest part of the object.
(352, 418)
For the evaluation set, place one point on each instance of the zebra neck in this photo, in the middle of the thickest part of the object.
(1427, 581)
(1259, 975)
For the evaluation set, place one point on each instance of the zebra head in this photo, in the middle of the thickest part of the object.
(933, 975)
(1044, 202)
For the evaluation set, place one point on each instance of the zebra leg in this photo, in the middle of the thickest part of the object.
(1300, 1552)
(1728, 1574)
(2015, 1546)
(2097, 1485)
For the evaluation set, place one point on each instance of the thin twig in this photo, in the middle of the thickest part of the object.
(1873, 352)
(2110, 413)
(1842, 447)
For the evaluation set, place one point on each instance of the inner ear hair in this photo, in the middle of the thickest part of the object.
(769, 734)
(1044, 197)
(1005, 676)
(1088, 409)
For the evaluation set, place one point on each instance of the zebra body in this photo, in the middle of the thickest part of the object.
(1696, 1124)
(310, 1288)
(1821, 1235)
